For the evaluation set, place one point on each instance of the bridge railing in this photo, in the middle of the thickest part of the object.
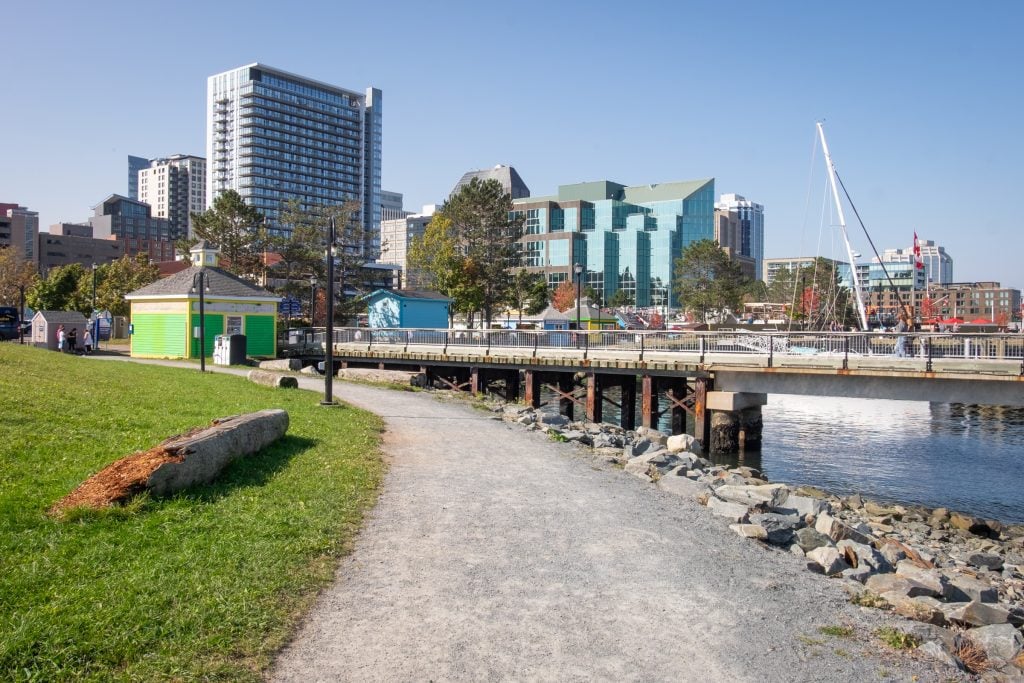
(899, 347)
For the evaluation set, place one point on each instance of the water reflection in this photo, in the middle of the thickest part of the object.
(964, 457)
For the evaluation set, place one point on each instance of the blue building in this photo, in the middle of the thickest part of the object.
(626, 238)
(406, 308)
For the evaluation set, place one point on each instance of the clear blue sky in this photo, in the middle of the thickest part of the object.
(923, 102)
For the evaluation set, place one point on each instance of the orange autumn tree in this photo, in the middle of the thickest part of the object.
(564, 297)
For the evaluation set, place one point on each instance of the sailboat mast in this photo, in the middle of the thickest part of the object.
(842, 225)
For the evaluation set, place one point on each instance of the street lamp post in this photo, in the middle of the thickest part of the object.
(312, 301)
(329, 323)
(95, 318)
(203, 287)
(578, 270)
(21, 316)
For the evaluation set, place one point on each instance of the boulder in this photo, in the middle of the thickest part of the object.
(962, 588)
(273, 379)
(674, 482)
(858, 554)
(549, 419)
(999, 641)
(801, 505)
(936, 651)
(652, 435)
(778, 528)
(859, 574)
(854, 502)
(771, 495)
(914, 608)
(837, 530)
(731, 511)
(527, 419)
(977, 613)
(750, 531)
(808, 539)
(894, 583)
(678, 443)
(988, 560)
(976, 526)
(893, 552)
(933, 579)
(876, 510)
(283, 364)
(605, 440)
(638, 447)
(829, 560)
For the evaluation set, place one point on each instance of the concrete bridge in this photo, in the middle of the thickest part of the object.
(720, 379)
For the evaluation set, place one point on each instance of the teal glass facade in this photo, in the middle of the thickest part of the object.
(628, 237)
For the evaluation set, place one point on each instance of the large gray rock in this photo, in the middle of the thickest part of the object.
(802, 505)
(936, 651)
(988, 560)
(864, 555)
(837, 530)
(638, 447)
(1000, 641)
(894, 583)
(673, 483)
(652, 435)
(979, 614)
(205, 453)
(605, 440)
(932, 578)
(734, 512)
(829, 559)
(961, 588)
(769, 495)
(859, 574)
(679, 442)
(808, 539)
(918, 609)
(549, 419)
(778, 528)
(273, 379)
(284, 364)
(750, 531)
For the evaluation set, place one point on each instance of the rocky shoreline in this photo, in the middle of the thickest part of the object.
(958, 580)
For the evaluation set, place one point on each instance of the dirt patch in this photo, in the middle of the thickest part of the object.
(119, 481)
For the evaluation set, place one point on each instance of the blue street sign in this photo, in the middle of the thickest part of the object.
(289, 306)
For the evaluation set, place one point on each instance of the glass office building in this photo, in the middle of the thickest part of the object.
(626, 237)
(273, 136)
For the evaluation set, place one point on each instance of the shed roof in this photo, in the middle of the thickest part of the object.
(551, 313)
(411, 294)
(60, 316)
(220, 284)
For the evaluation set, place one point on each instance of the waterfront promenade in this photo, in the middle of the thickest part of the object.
(497, 554)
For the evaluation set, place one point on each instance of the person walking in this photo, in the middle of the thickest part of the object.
(73, 340)
(87, 341)
(61, 339)
(901, 342)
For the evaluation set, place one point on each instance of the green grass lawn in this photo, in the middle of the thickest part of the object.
(202, 586)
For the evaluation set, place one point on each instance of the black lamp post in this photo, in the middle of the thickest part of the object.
(329, 346)
(312, 301)
(95, 318)
(21, 316)
(578, 270)
(200, 281)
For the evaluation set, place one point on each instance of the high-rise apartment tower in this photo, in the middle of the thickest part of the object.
(175, 188)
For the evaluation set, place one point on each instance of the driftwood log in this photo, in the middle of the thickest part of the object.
(179, 462)
(273, 379)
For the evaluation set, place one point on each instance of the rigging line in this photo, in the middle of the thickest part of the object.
(871, 242)
(807, 208)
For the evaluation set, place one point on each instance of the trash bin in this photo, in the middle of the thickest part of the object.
(236, 349)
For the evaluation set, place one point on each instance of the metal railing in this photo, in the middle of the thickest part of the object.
(907, 349)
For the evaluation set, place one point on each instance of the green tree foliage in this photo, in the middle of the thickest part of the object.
(238, 231)
(528, 292)
(59, 291)
(706, 280)
(115, 280)
(620, 298)
(15, 272)
(485, 233)
(436, 253)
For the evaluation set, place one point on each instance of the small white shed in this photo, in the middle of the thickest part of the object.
(45, 323)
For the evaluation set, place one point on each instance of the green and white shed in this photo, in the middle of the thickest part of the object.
(165, 314)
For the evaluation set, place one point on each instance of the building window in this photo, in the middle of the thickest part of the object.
(233, 324)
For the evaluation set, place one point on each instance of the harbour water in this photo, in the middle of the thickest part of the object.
(966, 458)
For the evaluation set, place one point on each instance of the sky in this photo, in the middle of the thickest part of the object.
(922, 102)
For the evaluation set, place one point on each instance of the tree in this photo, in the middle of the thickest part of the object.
(620, 298)
(436, 253)
(529, 292)
(238, 231)
(814, 294)
(114, 280)
(705, 279)
(485, 232)
(564, 296)
(60, 291)
(15, 272)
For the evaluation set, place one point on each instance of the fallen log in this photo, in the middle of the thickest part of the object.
(273, 379)
(184, 460)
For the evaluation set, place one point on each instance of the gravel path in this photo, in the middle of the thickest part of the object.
(497, 554)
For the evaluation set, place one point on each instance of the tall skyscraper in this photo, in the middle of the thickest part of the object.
(751, 220)
(18, 229)
(175, 188)
(135, 164)
(273, 136)
(391, 206)
(938, 265)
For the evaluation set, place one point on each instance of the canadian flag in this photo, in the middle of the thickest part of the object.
(918, 263)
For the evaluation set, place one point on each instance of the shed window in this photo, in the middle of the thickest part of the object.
(233, 324)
